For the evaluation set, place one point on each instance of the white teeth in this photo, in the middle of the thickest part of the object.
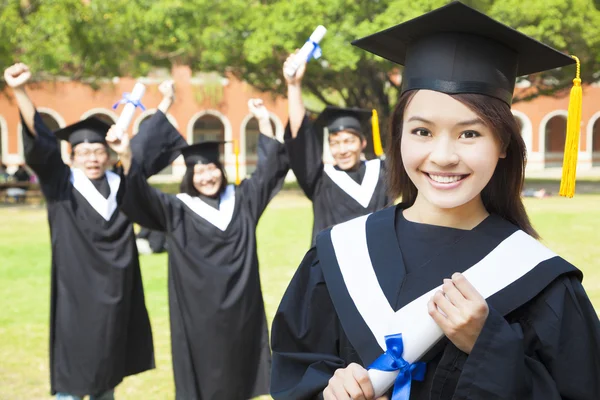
(445, 179)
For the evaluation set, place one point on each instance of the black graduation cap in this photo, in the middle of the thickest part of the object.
(337, 119)
(456, 49)
(202, 153)
(89, 130)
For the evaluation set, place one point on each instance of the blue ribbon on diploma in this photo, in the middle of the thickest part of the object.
(392, 360)
(127, 99)
(316, 51)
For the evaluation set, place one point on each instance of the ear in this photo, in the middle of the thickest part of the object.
(363, 143)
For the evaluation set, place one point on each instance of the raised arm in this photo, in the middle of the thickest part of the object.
(296, 108)
(167, 89)
(141, 203)
(42, 152)
(16, 77)
(272, 167)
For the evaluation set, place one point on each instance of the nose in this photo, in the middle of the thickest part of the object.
(444, 152)
(343, 148)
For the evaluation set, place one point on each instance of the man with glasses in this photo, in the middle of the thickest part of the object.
(99, 327)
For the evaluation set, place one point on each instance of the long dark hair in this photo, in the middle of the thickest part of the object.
(502, 194)
(187, 183)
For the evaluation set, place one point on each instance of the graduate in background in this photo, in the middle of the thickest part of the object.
(99, 326)
(219, 333)
(351, 187)
(457, 159)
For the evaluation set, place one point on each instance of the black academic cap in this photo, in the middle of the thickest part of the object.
(202, 153)
(89, 130)
(456, 49)
(337, 119)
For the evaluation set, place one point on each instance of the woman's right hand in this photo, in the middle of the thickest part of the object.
(351, 382)
(17, 75)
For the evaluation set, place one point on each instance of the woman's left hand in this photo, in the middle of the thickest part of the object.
(460, 311)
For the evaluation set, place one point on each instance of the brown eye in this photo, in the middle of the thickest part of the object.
(469, 135)
(421, 132)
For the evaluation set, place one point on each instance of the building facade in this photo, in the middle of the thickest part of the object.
(209, 108)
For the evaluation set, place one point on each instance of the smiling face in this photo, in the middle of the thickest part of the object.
(346, 148)
(207, 179)
(92, 159)
(448, 152)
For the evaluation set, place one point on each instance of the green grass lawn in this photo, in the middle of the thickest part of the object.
(568, 226)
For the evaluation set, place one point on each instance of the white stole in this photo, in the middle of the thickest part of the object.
(510, 260)
(362, 192)
(219, 218)
(104, 206)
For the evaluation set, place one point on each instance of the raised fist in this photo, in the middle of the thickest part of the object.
(17, 75)
(258, 109)
(167, 89)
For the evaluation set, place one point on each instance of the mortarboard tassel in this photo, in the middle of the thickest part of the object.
(377, 148)
(569, 170)
(236, 151)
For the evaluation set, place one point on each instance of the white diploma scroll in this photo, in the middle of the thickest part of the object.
(509, 261)
(127, 114)
(306, 52)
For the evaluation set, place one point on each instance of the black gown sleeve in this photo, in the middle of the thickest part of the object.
(145, 205)
(306, 156)
(551, 353)
(266, 181)
(154, 143)
(42, 155)
(305, 336)
(153, 148)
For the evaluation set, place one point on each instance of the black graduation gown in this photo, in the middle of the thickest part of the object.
(99, 326)
(219, 334)
(547, 347)
(331, 203)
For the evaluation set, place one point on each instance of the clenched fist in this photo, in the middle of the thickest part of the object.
(17, 75)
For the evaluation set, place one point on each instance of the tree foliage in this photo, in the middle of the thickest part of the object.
(252, 38)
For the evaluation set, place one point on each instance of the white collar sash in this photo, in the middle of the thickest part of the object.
(219, 218)
(103, 206)
(362, 192)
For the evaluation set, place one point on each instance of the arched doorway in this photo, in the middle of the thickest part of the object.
(251, 135)
(554, 141)
(596, 144)
(208, 128)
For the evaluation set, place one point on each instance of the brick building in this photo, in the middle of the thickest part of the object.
(209, 107)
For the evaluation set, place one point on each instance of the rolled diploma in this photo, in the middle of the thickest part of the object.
(420, 333)
(490, 275)
(127, 114)
(305, 51)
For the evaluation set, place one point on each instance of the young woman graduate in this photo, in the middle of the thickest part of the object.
(352, 186)
(219, 334)
(453, 276)
(99, 326)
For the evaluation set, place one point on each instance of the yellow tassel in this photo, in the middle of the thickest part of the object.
(377, 148)
(236, 151)
(569, 171)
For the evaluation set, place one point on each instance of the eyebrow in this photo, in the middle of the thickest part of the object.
(475, 121)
